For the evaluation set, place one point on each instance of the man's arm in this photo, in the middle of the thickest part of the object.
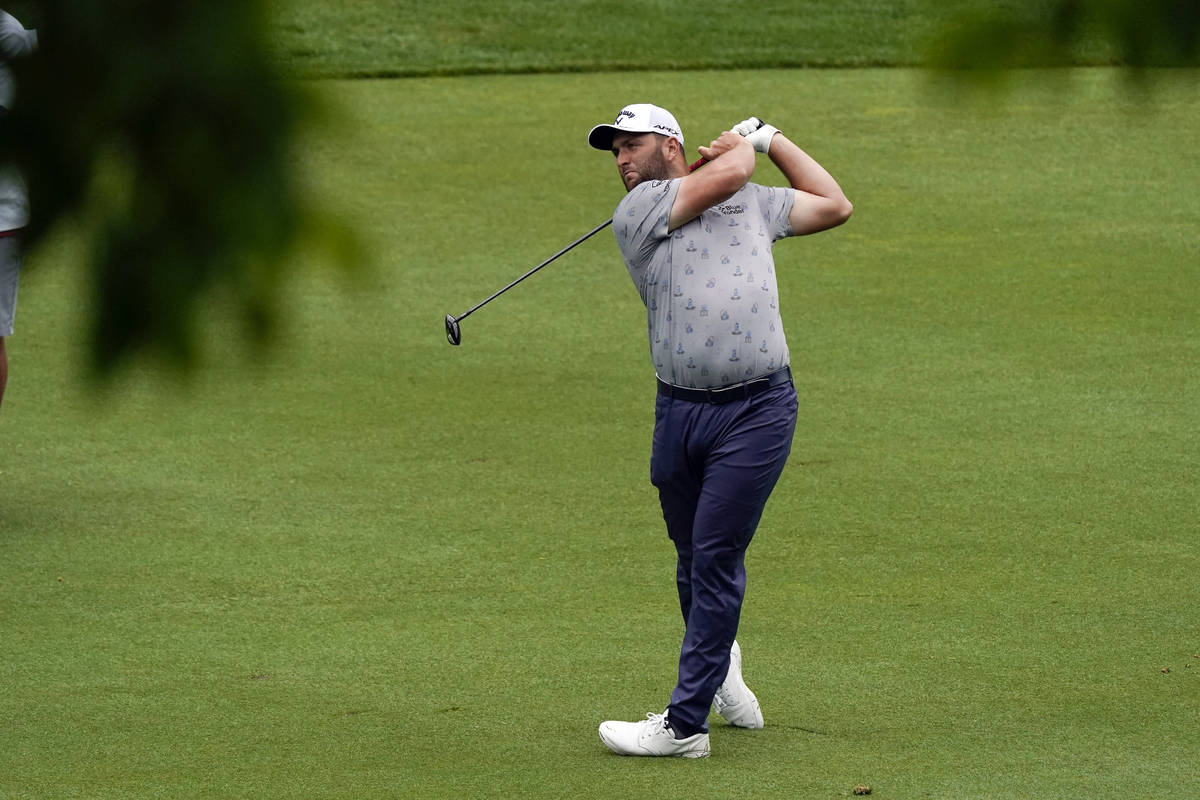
(730, 165)
(820, 202)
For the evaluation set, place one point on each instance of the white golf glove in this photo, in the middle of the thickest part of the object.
(756, 132)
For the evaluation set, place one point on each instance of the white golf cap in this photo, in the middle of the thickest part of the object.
(637, 118)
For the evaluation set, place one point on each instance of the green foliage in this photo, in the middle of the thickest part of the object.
(165, 130)
(1024, 33)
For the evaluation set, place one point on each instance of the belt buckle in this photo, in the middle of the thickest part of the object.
(717, 397)
(745, 389)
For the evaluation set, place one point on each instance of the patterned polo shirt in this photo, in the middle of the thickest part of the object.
(712, 303)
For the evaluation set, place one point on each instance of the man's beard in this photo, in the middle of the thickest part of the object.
(655, 168)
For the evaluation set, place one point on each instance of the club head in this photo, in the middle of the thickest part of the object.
(453, 333)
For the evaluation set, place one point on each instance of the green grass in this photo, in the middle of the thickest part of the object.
(431, 37)
(375, 565)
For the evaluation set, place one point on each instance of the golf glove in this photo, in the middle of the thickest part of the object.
(757, 133)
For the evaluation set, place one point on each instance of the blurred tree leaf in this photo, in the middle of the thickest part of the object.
(167, 130)
(1039, 33)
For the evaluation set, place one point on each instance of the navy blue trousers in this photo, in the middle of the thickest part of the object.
(714, 467)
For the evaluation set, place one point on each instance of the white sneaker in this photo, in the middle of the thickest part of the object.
(734, 701)
(651, 737)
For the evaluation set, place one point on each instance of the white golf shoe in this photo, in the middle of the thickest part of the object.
(734, 701)
(651, 737)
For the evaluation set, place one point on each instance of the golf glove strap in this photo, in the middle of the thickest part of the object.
(757, 133)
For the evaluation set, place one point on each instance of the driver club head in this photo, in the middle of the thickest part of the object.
(453, 333)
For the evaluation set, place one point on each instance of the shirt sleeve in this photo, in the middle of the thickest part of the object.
(775, 203)
(641, 219)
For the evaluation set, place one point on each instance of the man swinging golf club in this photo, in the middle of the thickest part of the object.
(698, 247)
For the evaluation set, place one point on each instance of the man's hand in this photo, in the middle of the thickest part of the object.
(757, 133)
(731, 163)
(727, 141)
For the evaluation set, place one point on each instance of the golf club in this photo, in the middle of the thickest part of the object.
(454, 332)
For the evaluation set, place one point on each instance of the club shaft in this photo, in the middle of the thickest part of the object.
(691, 168)
(566, 249)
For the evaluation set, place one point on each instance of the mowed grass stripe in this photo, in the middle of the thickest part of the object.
(367, 38)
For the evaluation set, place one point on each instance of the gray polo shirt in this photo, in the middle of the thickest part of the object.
(712, 303)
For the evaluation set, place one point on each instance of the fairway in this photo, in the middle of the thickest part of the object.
(375, 565)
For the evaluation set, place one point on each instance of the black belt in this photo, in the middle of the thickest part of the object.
(727, 394)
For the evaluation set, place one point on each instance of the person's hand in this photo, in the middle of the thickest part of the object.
(757, 133)
(727, 141)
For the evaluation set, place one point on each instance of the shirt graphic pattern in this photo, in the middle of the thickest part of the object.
(712, 302)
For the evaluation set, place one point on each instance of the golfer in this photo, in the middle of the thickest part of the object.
(698, 247)
(15, 42)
